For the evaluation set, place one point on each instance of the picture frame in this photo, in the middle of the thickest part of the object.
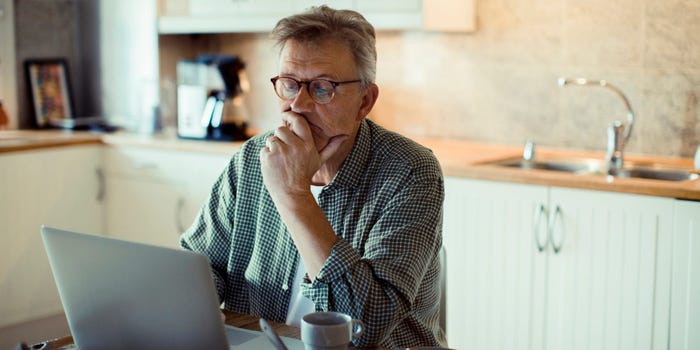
(49, 88)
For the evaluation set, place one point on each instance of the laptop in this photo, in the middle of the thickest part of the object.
(125, 295)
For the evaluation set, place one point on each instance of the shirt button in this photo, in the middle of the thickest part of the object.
(285, 287)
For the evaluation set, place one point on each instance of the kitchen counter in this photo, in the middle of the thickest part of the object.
(458, 158)
(469, 159)
(25, 140)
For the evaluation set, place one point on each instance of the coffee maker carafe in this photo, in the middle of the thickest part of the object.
(210, 103)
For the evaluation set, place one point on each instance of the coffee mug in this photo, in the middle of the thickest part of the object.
(329, 330)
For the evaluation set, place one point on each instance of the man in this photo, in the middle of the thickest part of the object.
(328, 212)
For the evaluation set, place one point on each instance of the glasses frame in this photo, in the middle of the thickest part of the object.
(334, 84)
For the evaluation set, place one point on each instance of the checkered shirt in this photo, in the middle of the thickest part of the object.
(385, 205)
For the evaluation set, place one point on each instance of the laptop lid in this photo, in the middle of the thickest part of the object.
(124, 295)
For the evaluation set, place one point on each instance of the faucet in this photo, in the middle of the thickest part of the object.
(618, 134)
(616, 143)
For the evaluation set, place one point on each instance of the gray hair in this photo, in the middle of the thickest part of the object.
(321, 23)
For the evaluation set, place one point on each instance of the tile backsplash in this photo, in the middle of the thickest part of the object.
(499, 84)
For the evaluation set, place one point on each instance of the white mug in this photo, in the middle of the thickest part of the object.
(329, 330)
(697, 158)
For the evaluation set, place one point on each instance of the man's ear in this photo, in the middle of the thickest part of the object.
(368, 99)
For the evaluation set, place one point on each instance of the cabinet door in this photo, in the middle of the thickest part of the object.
(388, 5)
(239, 7)
(219, 16)
(489, 241)
(300, 5)
(601, 277)
(56, 187)
(153, 195)
(143, 211)
(685, 301)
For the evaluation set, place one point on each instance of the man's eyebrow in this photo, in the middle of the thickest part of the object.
(320, 76)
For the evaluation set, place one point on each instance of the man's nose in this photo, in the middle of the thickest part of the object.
(302, 101)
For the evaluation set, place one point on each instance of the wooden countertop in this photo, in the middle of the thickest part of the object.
(469, 159)
(458, 158)
(23, 140)
(26, 140)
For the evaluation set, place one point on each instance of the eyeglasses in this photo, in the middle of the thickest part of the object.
(320, 90)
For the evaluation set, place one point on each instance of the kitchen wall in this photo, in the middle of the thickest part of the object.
(110, 48)
(46, 29)
(498, 84)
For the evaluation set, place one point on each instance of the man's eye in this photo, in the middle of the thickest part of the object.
(321, 92)
(291, 86)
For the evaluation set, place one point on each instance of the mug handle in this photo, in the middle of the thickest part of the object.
(358, 328)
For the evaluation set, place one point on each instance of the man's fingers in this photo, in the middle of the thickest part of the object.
(298, 125)
(285, 135)
(270, 142)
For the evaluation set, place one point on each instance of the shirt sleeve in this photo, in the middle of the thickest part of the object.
(380, 285)
(209, 233)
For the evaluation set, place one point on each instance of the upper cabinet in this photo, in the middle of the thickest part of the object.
(8, 75)
(227, 16)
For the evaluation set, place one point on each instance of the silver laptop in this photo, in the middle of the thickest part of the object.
(124, 295)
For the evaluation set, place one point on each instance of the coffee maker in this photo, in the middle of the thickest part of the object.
(210, 102)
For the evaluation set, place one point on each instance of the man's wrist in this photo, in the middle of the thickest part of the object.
(293, 199)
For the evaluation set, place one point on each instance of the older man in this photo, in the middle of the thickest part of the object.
(329, 211)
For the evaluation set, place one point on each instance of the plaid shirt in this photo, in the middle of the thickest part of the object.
(385, 205)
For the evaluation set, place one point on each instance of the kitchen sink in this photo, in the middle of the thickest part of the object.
(657, 174)
(581, 165)
(591, 166)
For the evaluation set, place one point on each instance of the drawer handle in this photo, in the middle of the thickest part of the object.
(144, 165)
(100, 184)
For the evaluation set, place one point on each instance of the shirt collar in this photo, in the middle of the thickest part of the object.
(354, 165)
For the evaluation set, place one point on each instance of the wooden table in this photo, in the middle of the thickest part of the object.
(232, 319)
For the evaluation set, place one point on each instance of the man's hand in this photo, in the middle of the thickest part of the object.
(290, 159)
(288, 164)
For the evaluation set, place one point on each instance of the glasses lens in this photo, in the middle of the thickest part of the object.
(321, 91)
(286, 88)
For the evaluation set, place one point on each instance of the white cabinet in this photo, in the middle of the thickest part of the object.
(603, 287)
(220, 16)
(153, 195)
(490, 249)
(392, 14)
(124, 75)
(239, 7)
(537, 267)
(8, 74)
(685, 301)
(55, 187)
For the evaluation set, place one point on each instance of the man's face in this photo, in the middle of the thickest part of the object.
(328, 60)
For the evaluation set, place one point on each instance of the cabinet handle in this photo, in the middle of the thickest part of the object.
(100, 184)
(539, 211)
(144, 165)
(552, 222)
(178, 215)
